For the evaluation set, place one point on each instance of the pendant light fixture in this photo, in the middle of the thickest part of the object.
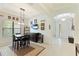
(22, 17)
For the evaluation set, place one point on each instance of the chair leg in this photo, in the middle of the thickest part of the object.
(17, 45)
(20, 44)
(76, 50)
(24, 45)
(28, 43)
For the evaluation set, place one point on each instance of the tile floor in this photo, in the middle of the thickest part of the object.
(58, 48)
(54, 49)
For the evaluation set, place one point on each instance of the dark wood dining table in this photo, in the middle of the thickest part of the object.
(22, 40)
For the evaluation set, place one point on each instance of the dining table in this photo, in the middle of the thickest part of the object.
(22, 40)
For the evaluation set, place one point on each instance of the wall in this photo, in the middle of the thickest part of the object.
(76, 32)
(13, 9)
(6, 11)
(46, 32)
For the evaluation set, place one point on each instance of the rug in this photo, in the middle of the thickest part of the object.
(23, 51)
(32, 50)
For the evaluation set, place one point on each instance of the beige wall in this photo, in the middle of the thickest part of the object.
(76, 33)
(6, 13)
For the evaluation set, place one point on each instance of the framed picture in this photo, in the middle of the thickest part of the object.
(42, 26)
(17, 19)
(13, 18)
(9, 17)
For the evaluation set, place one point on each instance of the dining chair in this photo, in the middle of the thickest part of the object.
(15, 42)
(26, 40)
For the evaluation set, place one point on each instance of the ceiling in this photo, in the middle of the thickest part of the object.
(33, 9)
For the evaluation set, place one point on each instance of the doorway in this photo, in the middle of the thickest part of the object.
(63, 27)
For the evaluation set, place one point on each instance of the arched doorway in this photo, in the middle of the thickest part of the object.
(64, 26)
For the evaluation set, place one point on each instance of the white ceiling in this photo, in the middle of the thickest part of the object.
(39, 8)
